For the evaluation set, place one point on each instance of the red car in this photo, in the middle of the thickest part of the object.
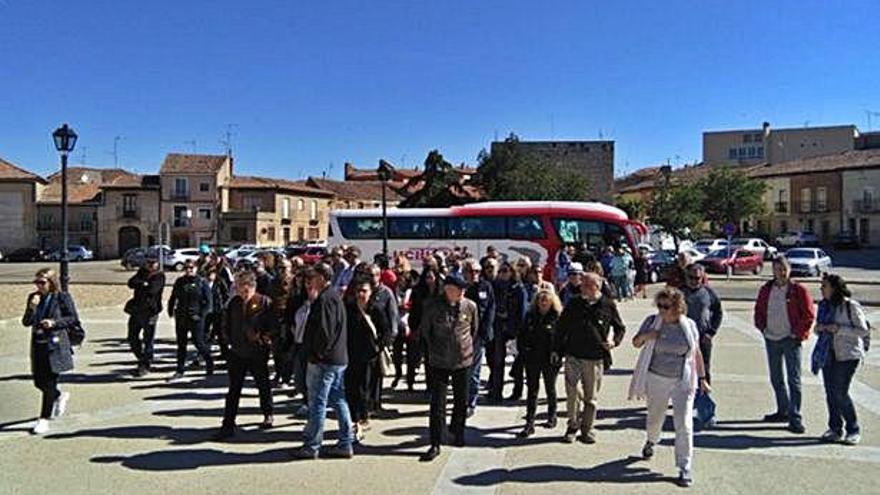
(740, 260)
(309, 254)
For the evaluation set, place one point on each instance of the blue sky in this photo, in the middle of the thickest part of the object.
(307, 84)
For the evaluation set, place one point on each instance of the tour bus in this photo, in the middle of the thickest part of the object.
(534, 229)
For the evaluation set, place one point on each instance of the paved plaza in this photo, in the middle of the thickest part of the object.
(123, 434)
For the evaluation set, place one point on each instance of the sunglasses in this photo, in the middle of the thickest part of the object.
(363, 291)
(664, 307)
(40, 282)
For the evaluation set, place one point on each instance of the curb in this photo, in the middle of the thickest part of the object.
(869, 304)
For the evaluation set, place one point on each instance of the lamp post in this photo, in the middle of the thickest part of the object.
(65, 140)
(384, 172)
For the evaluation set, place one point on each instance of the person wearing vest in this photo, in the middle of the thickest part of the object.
(784, 314)
(190, 304)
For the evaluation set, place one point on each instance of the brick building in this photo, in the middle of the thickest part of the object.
(19, 190)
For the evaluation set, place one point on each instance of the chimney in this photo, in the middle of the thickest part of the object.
(349, 170)
(766, 128)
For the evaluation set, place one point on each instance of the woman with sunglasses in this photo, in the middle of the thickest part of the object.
(844, 320)
(669, 366)
(50, 313)
(537, 343)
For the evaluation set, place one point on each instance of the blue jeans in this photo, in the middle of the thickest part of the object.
(326, 386)
(788, 401)
(838, 376)
(474, 386)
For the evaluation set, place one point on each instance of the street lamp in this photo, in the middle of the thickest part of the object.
(384, 172)
(65, 140)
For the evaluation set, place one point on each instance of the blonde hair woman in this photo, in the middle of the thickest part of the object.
(537, 343)
(669, 367)
(51, 314)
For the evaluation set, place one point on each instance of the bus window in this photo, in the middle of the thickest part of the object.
(415, 228)
(360, 227)
(525, 228)
(477, 228)
(572, 230)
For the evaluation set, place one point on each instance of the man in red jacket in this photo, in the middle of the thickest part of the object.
(785, 314)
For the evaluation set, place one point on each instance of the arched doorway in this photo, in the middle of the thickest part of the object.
(129, 237)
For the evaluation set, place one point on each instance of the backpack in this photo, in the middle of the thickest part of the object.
(867, 339)
(75, 333)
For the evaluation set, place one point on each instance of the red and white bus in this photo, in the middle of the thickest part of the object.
(533, 229)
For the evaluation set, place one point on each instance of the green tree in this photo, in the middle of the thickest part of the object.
(442, 185)
(676, 209)
(507, 174)
(634, 208)
(730, 196)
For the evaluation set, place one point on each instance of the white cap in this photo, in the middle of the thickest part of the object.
(575, 268)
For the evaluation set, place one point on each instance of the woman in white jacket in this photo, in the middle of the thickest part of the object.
(669, 366)
(847, 324)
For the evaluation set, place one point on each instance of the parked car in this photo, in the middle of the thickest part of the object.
(27, 254)
(755, 245)
(659, 263)
(811, 262)
(309, 254)
(695, 254)
(797, 239)
(74, 253)
(240, 251)
(176, 258)
(740, 260)
(846, 239)
(709, 245)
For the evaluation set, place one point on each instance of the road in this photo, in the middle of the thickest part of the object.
(123, 432)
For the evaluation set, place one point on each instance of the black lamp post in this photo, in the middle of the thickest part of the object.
(65, 140)
(384, 172)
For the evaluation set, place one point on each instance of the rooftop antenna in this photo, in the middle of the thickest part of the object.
(869, 114)
(82, 155)
(226, 140)
(601, 136)
(115, 151)
(191, 142)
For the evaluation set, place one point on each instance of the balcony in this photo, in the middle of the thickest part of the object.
(813, 207)
(781, 207)
(130, 214)
(179, 196)
(867, 205)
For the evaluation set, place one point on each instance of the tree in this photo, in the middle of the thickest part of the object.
(507, 174)
(441, 182)
(634, 208)
(676, 209)
(731, 196)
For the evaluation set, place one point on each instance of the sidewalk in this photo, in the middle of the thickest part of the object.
(123, 432)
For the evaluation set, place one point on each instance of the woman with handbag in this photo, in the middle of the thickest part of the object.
(537, 343)
(364, 355)
(51, 314)
(669, 366)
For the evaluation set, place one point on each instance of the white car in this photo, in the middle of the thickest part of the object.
(797, 239)
(240, 251)
(812, 262)
(709, 245)
(694, 254)
(755, 245)
(176, 258)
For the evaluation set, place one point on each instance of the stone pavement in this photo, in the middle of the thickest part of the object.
(123, 434)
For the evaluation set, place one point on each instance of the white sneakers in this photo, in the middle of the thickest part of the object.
(60, 405)
(852, 439)
(42, 426)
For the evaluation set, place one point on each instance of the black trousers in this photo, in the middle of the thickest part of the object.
(535, 369)
(360, 380)
(282, 356)
(412, 357)
(214, 332)
(439, 385)
(496, 354)
(706, 350)
(238, 368)
(517, 373)
(142, 348)
(45, 380)
(184, 327)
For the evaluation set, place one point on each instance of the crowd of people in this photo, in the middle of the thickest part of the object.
(335, 329)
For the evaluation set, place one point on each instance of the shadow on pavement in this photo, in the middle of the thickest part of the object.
(745, 442)
(182, 460)
(619, 471)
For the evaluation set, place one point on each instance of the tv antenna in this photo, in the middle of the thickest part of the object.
(226, 141)
(191, 142)
(115, 151)
(82, 155)
(869, 114)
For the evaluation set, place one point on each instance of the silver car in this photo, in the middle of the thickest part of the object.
(811, 262)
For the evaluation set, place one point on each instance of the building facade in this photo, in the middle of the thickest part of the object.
(767, 145)
(128, 216)
(594, 159)
(19, 190)
(194, 192)
(861, 203)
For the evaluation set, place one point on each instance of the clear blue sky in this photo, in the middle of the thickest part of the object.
(335, 81)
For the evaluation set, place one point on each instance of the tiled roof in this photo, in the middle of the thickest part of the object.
(848, 160)
(10, 172)
(84, 184)
(644, 179)
(353, 173)
(355, 190)
(252, 182)
(179, 163)
(129, 181)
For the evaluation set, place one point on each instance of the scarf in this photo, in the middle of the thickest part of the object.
(639, 384)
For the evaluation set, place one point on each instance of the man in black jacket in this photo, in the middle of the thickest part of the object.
(190, 304)
(326, 349)
(589, 327)
(249, 325)
(481, 293)
(143, 311)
